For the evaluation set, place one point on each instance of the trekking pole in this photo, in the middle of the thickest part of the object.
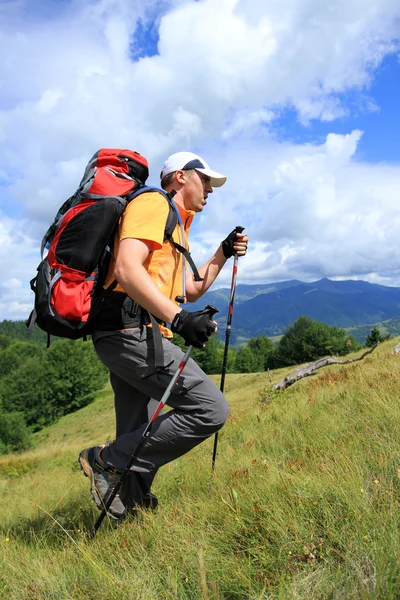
(211, 311)
(227, 336)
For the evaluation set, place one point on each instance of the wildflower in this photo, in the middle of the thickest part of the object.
(366, 537)
(362, 490)
(376, 481)
(289, 553)
(7, 539)
(186, 580)
(169, 568)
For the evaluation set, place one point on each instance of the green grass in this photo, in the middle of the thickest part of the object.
(303, 504)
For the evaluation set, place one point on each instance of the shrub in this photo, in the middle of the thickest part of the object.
(14, 434)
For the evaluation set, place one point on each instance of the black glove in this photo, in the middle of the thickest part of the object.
(194, 327)
(227, 244)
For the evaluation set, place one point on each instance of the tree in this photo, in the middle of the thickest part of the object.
(27, 390)
(5, 341)
(14, 434)
(375, 337)
(17, 330)
(245, 360)
(74, 374)
(307, 340)
(49, 385)
(262, 348)
(16, 353)
(210, 358)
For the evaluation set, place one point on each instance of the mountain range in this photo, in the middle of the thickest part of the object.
(270, 308)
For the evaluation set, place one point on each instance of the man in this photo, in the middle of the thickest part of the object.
(152, 280)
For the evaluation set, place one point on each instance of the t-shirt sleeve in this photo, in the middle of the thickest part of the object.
(145, 219)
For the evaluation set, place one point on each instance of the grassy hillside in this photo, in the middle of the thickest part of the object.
(304, 502)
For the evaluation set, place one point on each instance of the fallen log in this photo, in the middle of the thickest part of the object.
(311, 368)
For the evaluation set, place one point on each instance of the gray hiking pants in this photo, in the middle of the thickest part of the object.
(199, 408)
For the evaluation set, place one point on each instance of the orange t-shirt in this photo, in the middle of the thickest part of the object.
(145, 218)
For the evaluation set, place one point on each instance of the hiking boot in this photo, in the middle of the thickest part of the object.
(102, 481)
(135, 493)
(148, 502)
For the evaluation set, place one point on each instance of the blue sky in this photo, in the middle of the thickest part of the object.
(146, 40)
(382, 127)
(296, 101)
(375, 111)
(381, 124)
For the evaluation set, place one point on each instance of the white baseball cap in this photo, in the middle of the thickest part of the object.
(184, 161)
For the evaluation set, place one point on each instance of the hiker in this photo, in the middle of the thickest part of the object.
(151, 280)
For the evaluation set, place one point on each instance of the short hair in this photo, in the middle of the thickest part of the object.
(167, 180)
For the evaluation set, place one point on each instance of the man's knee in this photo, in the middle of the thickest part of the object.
(219, 413)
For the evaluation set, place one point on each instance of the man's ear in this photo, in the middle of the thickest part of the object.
(180, 177)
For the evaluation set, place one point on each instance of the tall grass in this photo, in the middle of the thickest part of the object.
(303, 504)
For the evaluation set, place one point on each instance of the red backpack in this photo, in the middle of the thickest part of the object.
(70, 277)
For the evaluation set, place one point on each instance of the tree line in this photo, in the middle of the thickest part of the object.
(39, 385)
(304, 341)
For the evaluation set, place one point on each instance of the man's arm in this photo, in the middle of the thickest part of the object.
(137, 283)
(212, 268)
(195, 327)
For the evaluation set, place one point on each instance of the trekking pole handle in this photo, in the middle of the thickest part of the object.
(211, 310)
(238, 229)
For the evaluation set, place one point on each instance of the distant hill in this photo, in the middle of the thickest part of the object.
(270, 308)
(360, 332)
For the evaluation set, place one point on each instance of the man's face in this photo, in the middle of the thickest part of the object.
(195, 191)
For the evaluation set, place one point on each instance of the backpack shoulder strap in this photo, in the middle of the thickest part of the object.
(173, 220)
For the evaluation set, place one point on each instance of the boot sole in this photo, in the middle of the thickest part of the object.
(88, 471)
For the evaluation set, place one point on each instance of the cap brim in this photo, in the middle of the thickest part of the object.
(216, 179)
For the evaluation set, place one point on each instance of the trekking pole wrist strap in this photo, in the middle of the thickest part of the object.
(190, 260)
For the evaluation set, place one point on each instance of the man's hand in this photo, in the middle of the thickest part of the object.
(235, 243)
(194, 327)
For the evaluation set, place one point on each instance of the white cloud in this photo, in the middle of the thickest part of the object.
(224, 71)
(316, 213)
(18, 260)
